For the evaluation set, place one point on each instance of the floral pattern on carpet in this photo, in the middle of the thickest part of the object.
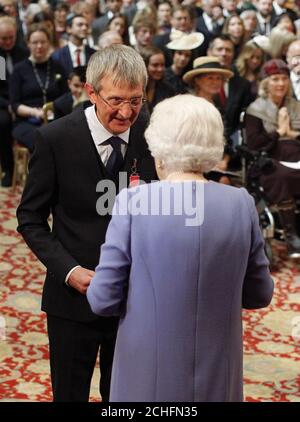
(271, 335)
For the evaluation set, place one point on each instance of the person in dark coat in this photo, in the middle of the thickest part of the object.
(12, 54)
(179, 279)
(182, 48)
(75, 159)
(34, 82)
(75, 53)
(157, 89)
(272, 125)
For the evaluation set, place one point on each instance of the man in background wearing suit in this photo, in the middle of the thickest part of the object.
(236, 93)
(12, 54)
(75, 53)
(71, 156)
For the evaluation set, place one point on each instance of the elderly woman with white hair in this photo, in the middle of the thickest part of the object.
(182, 257)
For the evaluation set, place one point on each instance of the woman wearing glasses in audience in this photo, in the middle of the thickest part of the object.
(33, 83)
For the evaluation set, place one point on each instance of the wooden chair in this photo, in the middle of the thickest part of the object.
(21, 154)
(48, 110)
(21, 158)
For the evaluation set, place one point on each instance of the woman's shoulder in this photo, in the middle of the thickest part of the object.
(228, 192)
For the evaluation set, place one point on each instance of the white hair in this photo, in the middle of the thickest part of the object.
(186, 133)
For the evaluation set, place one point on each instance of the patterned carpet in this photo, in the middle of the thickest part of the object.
(271, 336)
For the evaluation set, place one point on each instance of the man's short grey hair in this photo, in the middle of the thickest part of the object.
(122, 63)
(186, 133)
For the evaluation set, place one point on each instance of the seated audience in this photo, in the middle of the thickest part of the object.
(12, 53)
(273, 125)
(207, 79)
(33, 83)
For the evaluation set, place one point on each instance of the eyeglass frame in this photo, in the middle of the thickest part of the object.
(118, 107)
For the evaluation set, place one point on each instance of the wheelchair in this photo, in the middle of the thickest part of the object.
(254, 164)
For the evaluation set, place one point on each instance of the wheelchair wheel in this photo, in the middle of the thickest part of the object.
(269, 253)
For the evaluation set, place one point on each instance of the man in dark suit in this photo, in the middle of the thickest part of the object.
(75, 53)
(72, 155)
(12, 54)
(236, 95)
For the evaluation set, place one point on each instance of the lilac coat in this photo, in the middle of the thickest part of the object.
(179, 291)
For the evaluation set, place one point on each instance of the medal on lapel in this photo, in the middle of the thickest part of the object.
(134, 179)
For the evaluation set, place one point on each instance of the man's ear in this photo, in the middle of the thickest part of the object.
(91, 93)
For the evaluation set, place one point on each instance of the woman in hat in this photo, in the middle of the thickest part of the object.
(181, 47)
(273, 125)
(207, 79)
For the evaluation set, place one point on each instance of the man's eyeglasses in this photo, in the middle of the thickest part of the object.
(116, 103)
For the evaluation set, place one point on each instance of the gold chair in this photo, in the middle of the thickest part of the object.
(48, 110)
(21, 158)
(21, 154)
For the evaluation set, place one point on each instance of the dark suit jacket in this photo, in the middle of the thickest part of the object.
(63, 56)
(63, 174)
(63, 105)
(239, 97)
(201, 27)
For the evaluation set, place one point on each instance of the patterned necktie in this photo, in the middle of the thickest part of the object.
(116, 160)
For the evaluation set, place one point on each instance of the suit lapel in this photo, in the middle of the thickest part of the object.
(84, 143)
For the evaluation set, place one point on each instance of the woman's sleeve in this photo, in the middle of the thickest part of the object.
(258, 285)
(256, 136)
(108, 288)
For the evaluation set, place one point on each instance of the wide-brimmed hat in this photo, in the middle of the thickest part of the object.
(207, 64)
(274, 67)
(182, 41)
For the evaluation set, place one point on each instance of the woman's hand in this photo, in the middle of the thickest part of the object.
(283, 121)
(37, 112)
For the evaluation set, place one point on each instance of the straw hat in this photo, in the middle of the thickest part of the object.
(206, 64)
(182, 41)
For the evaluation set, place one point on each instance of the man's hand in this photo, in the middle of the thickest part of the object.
(80, 279)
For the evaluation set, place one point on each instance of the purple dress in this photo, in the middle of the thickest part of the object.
(179, 289)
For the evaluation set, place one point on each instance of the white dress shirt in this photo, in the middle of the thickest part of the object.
(73, 52)
(100, 135)
(295, 79)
